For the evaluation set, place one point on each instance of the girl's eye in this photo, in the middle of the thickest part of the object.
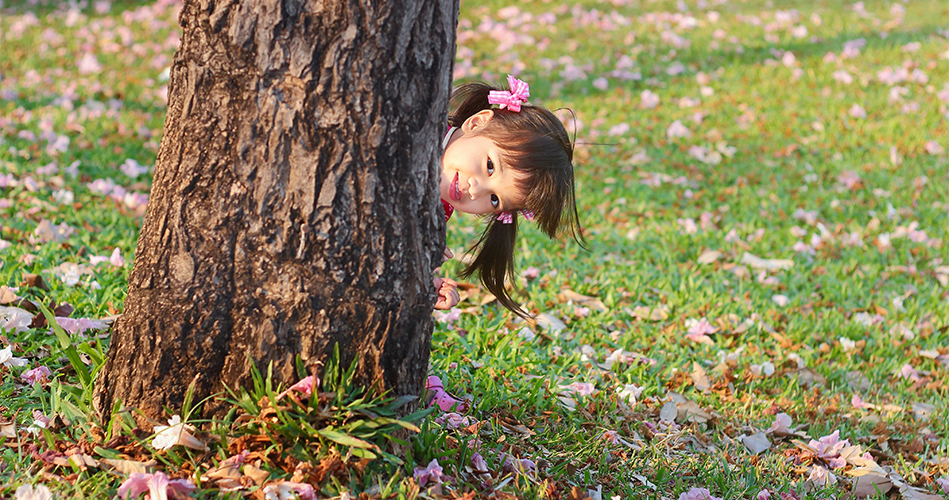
(490, 167)
(495, 202)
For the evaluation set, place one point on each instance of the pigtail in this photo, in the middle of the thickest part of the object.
(494, 261)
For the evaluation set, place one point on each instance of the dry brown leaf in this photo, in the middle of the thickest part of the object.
(740, 271)
(568, 402)
(650, 313)
(709, 256)
(31, 280)
(129, 466)
(690, 411)
(870, 484)
(808, 378)
(549, 322)
(942, 275)
(646, 482)
(891, 409)
(257, 474)
(6, 295)
(858, 381)
(669, 411)
(910, 493)
(46, 232)
(8, 429)
(577, 493)
(83, 461)
(922, 411)
(756, 443)
(220, 473)
(591, 302)
(768, 264)
(700, 378)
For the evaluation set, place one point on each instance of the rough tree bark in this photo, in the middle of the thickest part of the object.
(294, 204)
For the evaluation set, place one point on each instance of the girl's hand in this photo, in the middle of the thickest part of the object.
(447, 293)
(448, 255)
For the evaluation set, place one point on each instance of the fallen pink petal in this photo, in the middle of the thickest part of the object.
(36, 375)
(698, 494)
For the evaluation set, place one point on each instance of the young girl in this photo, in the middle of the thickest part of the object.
(515, 159)
(502, 163)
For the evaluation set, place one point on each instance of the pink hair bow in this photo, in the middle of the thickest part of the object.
(512, 99)
(508, 217)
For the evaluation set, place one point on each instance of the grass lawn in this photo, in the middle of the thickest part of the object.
(763, 311)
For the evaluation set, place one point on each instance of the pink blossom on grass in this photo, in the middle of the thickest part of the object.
(782, 424)
(649, 99)
(95, 260)
(36, 375)
(620, 129)
(857, 402)
(155, 486)
(288, 490)
(102, 186)
(40, 420)
(135, 202)
(849, 179)
(698, 330)
(943, 483)
(822, 476)
(430, 474)
(79, 325)
(828, 448)
(763, 495)
(677, 129)
(448, 317)
(30, 492)
(7, 358)
(304, 386)
(943, 94)
(520, 466)
(857, 111)
(907, 372)
(478, 464)
(852, 239)
(933, 148)
(235, 460)
(454, 420)
(611, 437)
(843, 77)
(176, 433)
(133, 168)
(579, 388)
(630, 393)
(116, 258)
(698, 494)
(88, 64)
(801, 247)
(687, 226)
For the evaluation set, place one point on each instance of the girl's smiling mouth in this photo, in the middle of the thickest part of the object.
(453, 191)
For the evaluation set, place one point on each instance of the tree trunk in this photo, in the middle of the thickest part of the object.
(294, 204)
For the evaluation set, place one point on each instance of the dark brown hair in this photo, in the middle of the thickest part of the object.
(535, 143)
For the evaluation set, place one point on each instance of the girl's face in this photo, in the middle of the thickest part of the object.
(475, 179)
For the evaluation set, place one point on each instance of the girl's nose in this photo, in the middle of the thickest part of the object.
(475, 188)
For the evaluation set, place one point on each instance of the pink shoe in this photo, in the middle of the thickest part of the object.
(442, 398)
